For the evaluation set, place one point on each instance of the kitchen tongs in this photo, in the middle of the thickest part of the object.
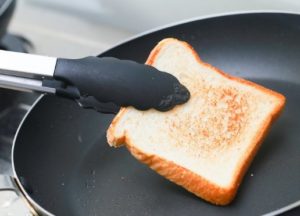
(103, 84)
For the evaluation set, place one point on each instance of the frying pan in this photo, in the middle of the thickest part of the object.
(63, 165)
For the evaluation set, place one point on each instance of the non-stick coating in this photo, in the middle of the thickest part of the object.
(62, 154)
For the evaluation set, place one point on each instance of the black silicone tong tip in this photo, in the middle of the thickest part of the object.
(121, 82)
(181, 96)
(89, 102)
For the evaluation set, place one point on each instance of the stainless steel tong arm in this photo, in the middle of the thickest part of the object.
(25, 72)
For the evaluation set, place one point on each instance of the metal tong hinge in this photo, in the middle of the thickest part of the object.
(62, 88)
(85, 101)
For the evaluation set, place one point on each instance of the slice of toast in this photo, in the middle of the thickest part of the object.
(206, 144)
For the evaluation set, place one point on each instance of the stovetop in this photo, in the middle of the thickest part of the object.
(13, 105)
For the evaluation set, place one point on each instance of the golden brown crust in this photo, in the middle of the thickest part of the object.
(154, 53)
(182, 176)
(111, 138)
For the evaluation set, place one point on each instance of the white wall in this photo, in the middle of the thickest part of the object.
(140, 15)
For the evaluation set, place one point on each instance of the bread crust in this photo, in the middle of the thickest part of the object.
(192, 182)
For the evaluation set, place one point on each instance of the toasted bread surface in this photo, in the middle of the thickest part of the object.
(207, 144)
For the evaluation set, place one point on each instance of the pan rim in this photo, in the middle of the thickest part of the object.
(37, 207)
(41, 209)
(198, 18)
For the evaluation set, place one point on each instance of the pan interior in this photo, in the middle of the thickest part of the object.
(65, 163)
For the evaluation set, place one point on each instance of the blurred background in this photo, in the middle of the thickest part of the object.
(73, 28)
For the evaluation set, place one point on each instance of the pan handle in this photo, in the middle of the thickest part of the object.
(12, 201)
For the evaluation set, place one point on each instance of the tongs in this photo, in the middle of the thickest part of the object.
(103, 84)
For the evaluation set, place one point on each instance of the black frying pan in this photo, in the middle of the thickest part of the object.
(65, 165)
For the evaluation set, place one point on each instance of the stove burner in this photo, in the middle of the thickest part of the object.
(15, 43)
